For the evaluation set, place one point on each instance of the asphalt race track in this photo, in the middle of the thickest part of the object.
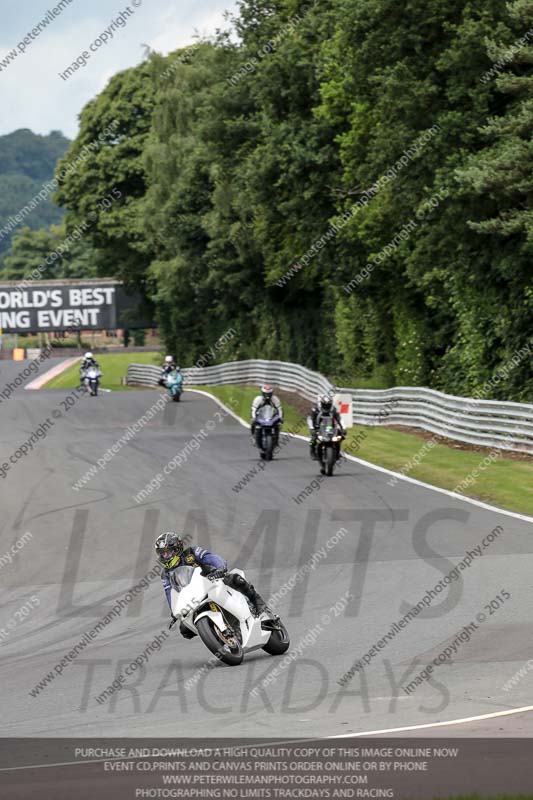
(90, 546)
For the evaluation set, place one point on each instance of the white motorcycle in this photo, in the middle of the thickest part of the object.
(223, 618)
(91, 380)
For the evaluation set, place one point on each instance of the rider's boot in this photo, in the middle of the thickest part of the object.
(260, 607)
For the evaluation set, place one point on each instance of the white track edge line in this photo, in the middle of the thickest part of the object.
(460, 721)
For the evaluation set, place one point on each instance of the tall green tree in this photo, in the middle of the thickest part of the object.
(499, 181)
(395, 73)
(105, 165)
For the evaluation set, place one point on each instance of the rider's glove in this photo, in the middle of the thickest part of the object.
(172, 622)
(216, 573)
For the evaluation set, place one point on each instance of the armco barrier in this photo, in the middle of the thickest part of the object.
(490, 423)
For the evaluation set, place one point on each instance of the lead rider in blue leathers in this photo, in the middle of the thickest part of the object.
(172, 553)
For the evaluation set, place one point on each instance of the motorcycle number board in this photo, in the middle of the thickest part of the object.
(343, 403)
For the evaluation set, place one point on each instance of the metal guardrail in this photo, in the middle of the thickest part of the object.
(490, 423)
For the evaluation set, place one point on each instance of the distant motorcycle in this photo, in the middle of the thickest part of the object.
(267, 423)
(223, 618)
(328, 441)
(174, 384)
(91, 380)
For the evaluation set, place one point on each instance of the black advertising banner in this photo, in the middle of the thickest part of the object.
(309, 769)
(67, 305)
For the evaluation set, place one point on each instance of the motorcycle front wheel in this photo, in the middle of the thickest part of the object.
(330, 460)
(210, 636)
(279, 642)
(269, 447)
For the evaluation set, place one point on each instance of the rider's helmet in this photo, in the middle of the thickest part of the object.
(169, 360)
(169, 549)
(88, 356)
(326, 403)
(267, 392)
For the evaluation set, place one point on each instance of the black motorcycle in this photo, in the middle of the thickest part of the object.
(328, 444)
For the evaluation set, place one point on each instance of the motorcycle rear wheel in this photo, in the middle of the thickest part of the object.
(208, 634)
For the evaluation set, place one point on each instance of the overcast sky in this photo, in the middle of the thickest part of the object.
(32, 93)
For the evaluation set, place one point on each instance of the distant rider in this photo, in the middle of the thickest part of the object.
(168, 367)
(172, 553)
(88, 362)
(266, 398)
(323, 408)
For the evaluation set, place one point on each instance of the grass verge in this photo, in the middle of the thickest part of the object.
(504, 482)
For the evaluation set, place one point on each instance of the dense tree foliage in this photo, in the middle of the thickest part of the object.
(49, 253)
(346, 183)
(27, 162)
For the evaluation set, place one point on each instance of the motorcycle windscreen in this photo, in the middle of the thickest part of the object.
(327, 425)
(265, 414)
(182, 576)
